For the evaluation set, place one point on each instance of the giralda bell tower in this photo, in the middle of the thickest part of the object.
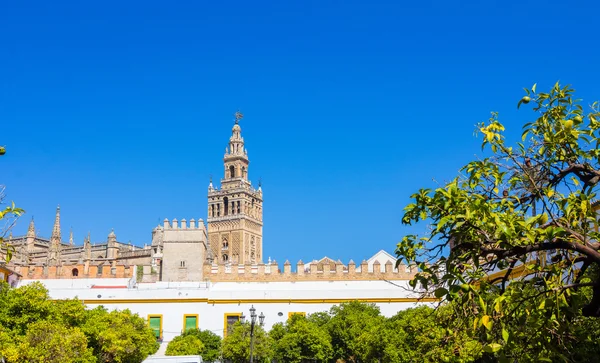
(235, 211)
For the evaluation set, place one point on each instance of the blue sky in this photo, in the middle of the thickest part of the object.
(120, 111)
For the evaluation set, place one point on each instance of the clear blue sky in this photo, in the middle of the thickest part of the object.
(120, 111)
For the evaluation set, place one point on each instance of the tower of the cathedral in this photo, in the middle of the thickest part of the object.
(235, 211)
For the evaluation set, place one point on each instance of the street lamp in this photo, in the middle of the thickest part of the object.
(261, 321)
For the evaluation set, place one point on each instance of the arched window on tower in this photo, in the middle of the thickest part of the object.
(244, 172)
(238, 207)
(213, 210)
(225, 258)
(226, 205)
(75, 272)
(232, 171)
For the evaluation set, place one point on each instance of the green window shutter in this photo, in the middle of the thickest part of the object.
(190, 322)
(155, 325)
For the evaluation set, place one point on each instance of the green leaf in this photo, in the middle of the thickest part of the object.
(505, 335)
(440, 292)
(492, 348)
(482, 304)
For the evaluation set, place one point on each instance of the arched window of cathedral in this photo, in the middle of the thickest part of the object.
(225, 257)
(213, 210)
(226, 205)
(232, 171)
(75, 272)
(218, 210)
(238, 207)
(225, 243)
(244, 172)
(181, 263)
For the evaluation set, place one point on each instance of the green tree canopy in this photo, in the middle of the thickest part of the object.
(34, 328)
(185, 345)
(301, 340)
(348, 321)
(118, 336)
(236, 345)
(528, 210)
(52, 342)
(211, 342)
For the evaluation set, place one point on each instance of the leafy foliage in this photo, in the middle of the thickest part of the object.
(118, 336)
(211, 344)
(301, 340)
(421, 334)
(185, 345)
(527, 210)
(34, 328)
(236, 345)
(50, 342)
(348, 321)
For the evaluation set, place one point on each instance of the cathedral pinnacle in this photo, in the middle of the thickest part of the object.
(71, 237)
(56, 235)
(31, 229)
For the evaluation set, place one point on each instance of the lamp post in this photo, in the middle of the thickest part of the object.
(261, 321)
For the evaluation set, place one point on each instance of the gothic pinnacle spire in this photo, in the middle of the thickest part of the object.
(71, 237)
(31, 229)
(56, 235)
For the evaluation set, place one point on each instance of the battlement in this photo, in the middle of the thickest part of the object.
(183, 224)
(75, 271)
(307, 272)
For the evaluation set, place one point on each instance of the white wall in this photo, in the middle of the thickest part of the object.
(212, 301)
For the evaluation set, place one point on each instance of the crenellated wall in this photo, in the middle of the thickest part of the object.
(80, 271)
(306, 272)
(183, 250)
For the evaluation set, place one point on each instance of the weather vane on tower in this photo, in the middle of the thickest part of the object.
(238, 116)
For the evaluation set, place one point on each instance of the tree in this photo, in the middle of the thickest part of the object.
(348, 321)
(210, 341)
(185, 345)
(34, 328)
(119, 336)
(527, 210)
(419, 334)
(51, 342)
(236, 345)
(301, 340)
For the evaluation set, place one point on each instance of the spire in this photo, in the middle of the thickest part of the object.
(31, 229)
(210, 185)
(56, 236)
(71, 237)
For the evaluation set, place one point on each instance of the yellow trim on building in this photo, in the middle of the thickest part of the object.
(296, 313)
(160, 316)
(225, 316)
(189, 316)
(260, 301)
